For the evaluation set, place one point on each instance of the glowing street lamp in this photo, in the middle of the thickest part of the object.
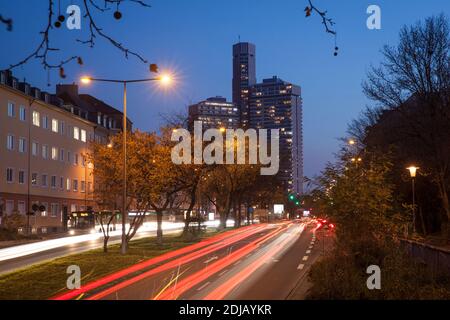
(163, 79)
(412, 173)
(351, 142)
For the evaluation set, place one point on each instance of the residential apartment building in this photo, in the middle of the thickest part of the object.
(44, 141)
(277, 104)
(214, 112)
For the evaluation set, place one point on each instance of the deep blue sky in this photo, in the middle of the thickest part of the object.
(194, 39)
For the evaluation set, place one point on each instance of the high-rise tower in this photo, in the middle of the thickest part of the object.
(244, 76)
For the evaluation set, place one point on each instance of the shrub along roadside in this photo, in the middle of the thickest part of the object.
(341, 275)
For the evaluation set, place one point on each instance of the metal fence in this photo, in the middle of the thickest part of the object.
(434, 257)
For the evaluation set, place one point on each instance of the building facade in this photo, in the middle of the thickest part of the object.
(277, 104)
(244, 76)
(44, 142)
(214, 112)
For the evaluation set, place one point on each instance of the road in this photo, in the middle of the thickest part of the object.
(266, 261)
(20, 256)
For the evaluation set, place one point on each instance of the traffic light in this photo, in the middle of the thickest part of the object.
(291, 197)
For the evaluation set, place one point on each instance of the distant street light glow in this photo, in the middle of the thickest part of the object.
(85, 80)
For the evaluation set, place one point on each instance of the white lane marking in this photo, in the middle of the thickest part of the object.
(203, 286)
(308, 251)
(305, 258)
(211, 259)
(300, 266)
(223, 272)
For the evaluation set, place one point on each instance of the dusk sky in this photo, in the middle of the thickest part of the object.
(194, 38)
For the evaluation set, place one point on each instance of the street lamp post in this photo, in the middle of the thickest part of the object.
(86, 80)
(413, 172)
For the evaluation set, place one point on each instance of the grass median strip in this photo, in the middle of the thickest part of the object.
(44, 280)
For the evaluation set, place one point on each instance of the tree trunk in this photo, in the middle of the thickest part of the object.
(159, 232)
(191, 207)
(105, 243)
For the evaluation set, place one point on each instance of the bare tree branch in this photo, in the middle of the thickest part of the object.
(43, 49)
(6, 21)
(327, 22)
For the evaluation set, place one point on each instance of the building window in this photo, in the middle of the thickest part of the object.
(34, 179)
(9, 175)
(9, 206)
(54, 210)
(36, 119)
(75, 185)
(55, 125)
(61, 154)
(53, 182)
(61, 183)
(68, 184)
(76, 133)
(35, 149)
(89, 187)
(45, 151)
(21, 177)
(44, 213)
(54, 153)
(83, 186)
(44, 180)
(69, 156)
(21, 207)
(11, 109)
(22, 113)
(61, 127)
(10, 142)
(22, 145)
(83, 135)
(45, 122)
(75, 159)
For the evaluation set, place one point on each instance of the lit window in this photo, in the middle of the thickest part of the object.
(76, 133)
(68, 184)
(54, 153)
(36, 119)
(54, 125)
(83, 135)
(11, 109)
(44, 214)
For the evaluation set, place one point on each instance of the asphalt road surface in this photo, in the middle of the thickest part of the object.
(265, 261)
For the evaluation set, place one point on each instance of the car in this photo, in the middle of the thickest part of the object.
(324, 224)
